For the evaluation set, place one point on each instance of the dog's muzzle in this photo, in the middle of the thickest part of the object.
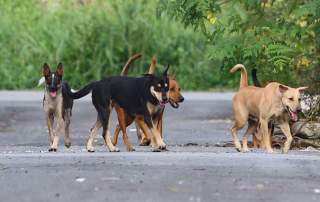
(175, 104)
(293, 114)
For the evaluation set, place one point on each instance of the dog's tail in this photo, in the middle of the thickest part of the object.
(80, 93)
(255, 78)
(125, 69)
(153, 64)
(244, 75)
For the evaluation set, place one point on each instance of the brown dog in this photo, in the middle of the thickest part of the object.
(125, 120)
(274, 101)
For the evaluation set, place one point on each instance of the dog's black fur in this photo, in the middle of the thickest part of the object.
(255, 79)
(130, 93)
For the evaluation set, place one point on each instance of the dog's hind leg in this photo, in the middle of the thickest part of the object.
(252, 126)
(67, 120)
(123, 122)
(116, 135)
(241, 117)
(284, 126)
(93, 135)
(104, 115)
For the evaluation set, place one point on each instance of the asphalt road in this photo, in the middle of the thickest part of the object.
(195, 168)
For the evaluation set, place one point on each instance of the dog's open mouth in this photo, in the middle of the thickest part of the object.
(174, 104)
(162, 103)
(53, 93)
(293, 115)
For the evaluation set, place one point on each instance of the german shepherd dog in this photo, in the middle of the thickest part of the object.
(137, 96)
(125, 120)
(57, 104)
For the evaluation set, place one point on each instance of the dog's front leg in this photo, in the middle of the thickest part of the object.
(284, 126)
(67, 119)
(60, 126)
(50, 119)
(265, 135)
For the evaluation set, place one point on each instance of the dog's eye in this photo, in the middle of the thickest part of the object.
(299, 99)
(166, 85)
(171, 89)
(291, 98)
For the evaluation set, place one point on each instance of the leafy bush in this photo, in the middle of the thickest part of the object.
(94, 41)
(280, 38)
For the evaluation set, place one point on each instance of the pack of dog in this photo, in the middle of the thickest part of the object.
(125, 119)
(142, 100)
(138, 96)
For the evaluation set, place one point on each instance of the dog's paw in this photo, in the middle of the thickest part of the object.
(52, 149)
(245, 150)
(90, 151)
(67, 144)
(238, 149)
(163, 147)
(284, 151)
(156, 150)
(269, 151)
(115, 149)
(145, 142)
(131, 149)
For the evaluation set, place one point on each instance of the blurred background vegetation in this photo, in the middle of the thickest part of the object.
(201, 40)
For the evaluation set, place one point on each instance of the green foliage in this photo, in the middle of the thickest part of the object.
(94, 41)
(280, 38)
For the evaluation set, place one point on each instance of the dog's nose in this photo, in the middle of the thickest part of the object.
(181, 99)
(299, 109)
(165, 98)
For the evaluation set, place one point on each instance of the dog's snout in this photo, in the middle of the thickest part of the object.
(299, 109)
(181, 99)
(165, 98)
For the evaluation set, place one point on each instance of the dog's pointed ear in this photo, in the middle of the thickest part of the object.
(173, 76)
(153, 65)
(283, 89)
(45, 70)
(302, 89)
(60, 69)
(165, 73)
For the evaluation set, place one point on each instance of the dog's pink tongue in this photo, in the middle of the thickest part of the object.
(53, 94)
(294, 116)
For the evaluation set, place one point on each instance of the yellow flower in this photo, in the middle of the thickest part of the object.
(304, 61)
(211, 18)
(303, 23)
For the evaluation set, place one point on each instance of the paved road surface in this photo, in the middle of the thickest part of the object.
(194, 168)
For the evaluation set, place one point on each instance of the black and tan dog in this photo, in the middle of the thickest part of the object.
(125, 119)
(138, 96)
(56, 104)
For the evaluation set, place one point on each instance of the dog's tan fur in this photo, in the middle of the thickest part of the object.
(54, 108)
(274, 101)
